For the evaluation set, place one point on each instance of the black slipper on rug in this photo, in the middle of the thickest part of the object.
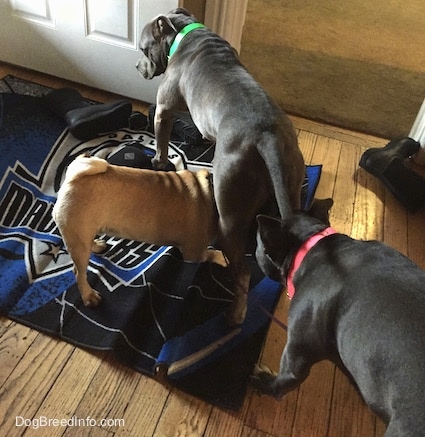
(157, 311)
(183, 130)
(85, 120)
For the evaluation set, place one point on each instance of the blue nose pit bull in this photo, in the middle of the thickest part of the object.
(257, 158)
(360, 304)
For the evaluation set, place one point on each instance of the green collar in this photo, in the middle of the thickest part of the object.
(186, 29)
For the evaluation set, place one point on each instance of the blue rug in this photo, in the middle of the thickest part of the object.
(158, 311)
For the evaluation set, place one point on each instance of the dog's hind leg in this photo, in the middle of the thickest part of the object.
(241, 275)
(232, 234)
(80, 251)
(239, 194)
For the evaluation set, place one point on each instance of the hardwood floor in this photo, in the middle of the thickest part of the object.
(41, 377)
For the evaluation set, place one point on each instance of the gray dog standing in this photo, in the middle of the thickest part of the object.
(257, 161)
(360, 304)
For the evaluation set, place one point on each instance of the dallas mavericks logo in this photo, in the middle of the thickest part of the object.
(39, 267)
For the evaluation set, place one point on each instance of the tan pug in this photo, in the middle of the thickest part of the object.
(161, 208)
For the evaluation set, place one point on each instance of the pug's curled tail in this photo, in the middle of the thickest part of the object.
(85, 165)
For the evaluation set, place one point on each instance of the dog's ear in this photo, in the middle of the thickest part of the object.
(182, 11)
(320, 209)
(270, 232)
(162, 27)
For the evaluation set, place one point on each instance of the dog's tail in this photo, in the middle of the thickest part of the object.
(283, 179)
(85, 165)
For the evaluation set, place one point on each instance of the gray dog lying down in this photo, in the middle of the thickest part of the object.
(360, 304)
(162, 208)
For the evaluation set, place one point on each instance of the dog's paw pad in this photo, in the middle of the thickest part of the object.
(99, 246)
(257, 383)
(261, 368)
(235, 316)
(233, 321)
(93, 300)
(158, 164)
(263, 379)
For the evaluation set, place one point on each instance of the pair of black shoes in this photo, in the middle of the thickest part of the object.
(86, 120)
(389, 165)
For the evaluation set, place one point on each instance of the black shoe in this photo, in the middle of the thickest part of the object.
(376, 160)
(87, 120)
(62, 100)
(388, 164)
(184, 129)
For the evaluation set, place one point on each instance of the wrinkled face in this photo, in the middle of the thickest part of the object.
(153, 60)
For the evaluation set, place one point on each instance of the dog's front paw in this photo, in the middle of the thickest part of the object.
(233, 320)
(263, 379)
(93, 299)
(159, 164)
(261, 371)
(99, 246)
(236, 315)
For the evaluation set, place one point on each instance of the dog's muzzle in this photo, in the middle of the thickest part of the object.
(146, 68)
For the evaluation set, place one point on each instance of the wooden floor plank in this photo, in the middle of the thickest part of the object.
(183, 416)
(314, 402)
(360, 218)
(74, 380)
(327, 153)
(345, 135)
(416, 237)
(109, 393)
(265, 413)
(344, 191)
(307, 143)
(271, 416)
(145, 407)
(31, 380)
(251, 432)
(88, 432)
(395, 223)
(349, 415)
(368, 212)
(15, 341)
(226, 422)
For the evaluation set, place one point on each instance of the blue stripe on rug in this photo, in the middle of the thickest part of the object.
(205, 343)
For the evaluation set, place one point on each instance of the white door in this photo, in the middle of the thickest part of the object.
(94, 42)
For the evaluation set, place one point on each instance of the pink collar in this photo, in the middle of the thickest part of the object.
(299, 257)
